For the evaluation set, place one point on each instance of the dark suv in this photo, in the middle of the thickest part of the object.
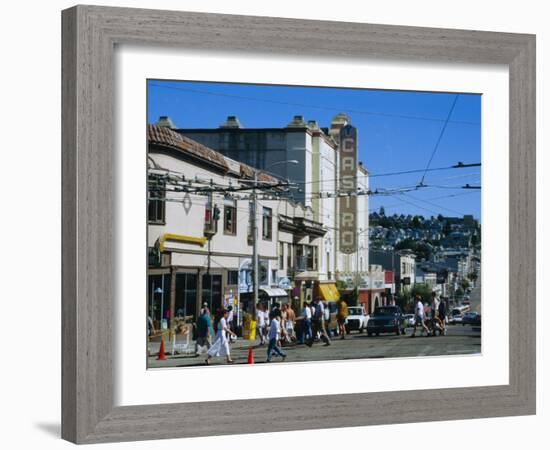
(386, 319)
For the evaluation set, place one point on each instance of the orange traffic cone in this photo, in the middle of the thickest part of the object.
(250, 355)
(162, 355)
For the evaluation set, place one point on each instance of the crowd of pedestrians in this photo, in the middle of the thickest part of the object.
(431, 318)
(279, 326)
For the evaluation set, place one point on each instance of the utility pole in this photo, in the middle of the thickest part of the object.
(254, 230)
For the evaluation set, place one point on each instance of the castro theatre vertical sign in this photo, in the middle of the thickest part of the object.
(348, 189)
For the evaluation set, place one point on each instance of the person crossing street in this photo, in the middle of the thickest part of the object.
(273, 335)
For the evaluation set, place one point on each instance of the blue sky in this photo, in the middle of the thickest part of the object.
(398, 131)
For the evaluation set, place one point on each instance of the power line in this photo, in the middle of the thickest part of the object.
(303, 105)
(440, 137)
(387, 174)
(433, 204)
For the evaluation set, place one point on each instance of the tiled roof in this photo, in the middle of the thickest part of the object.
(168, 138)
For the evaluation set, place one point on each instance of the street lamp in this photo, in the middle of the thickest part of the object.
(255, 259)
(159, 291)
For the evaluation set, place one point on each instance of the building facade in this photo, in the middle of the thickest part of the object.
(328, 177)
(200, 234)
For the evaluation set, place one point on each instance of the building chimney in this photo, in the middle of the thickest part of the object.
(297, 122)
(313, 125)
(231, 122)
(165, 121)
(339, 121)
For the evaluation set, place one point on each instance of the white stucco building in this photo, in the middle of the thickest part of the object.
(200, 246)
(317, 176)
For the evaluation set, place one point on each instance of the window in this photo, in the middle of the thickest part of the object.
(211, 215)
(233, 277)
(300, 258)
(186, 295)
(156, 204)
(311, 255)
(289, 256)
(281, 255)
(230, 217)
(267, 231)
(250, 220)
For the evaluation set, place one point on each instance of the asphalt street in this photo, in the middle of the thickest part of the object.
(460, 340)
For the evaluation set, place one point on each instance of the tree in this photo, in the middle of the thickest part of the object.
(421, 249)
(403, 300)
(465, 284)
(459, 293)
(423, 290)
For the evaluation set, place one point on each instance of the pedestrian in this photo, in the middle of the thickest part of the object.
(275, 311)
(220, 347)
(290, 326)
(442, 310)
(206, 309)
(342, 317)
(150, 326)
(306, 324)
(436, 320)
(260, 323)
(319, 322)
(267, 318)
(274, 334)
(204, 325)
(230, 318)
(419, 317)
(287, 324)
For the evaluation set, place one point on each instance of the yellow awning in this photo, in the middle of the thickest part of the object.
(181, 238)
(329, 292)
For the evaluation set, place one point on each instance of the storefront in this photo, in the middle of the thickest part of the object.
(189, 290)
(272, 295)
(363, 299)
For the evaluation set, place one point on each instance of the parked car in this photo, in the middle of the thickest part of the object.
(455, 319)
(472, 318)
(386, 319)
(357, 319)
(408, 319)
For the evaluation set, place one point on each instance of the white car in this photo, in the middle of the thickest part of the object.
(409, 320)
(357, 319)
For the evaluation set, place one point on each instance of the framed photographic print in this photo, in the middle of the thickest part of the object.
(320, 214)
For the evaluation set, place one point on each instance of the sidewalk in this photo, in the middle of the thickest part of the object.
(182, 351)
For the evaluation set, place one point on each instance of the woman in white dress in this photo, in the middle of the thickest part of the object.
(220, 347)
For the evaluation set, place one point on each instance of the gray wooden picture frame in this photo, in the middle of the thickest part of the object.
(89, 36)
